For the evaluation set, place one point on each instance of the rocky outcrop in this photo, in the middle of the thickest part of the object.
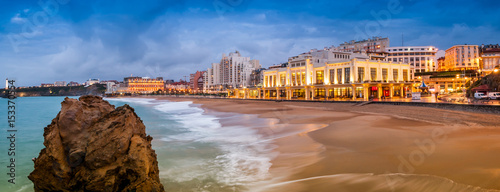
(91, 146)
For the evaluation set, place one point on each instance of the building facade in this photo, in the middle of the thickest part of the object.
(441, 64)
(420, 58)
(143, 84)
(329, 74)
(461, 57)
(196, 81)
(60, 83)
(491, 59)
(233, 71)
(374, 44)
(91, 82)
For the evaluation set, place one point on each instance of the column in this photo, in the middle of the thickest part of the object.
(446, 87)
(245, 92)
(353, 92)
(306, 89)
(379, 91)
(278, 94)
(365, 92)
(391, 90)
(258, 93)
(403, 94)
(313, 92)
(327, 92)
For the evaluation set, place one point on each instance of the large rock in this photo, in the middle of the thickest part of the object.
(91, 146)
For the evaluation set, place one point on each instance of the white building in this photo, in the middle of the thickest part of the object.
(420, 58)
(374, 44)
(91, 82)
(329, 74)
(60, 83)
(491, 59)
(233, 71)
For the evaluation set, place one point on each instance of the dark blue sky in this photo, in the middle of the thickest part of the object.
(73, 40)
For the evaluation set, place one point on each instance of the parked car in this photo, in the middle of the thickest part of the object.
(480, 96)
(494, 95)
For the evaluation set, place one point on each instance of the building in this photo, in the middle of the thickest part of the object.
(196, 81)
(232, 71)
(176, 87)
(143, 84)
(329, 74)
(169, 81)
(490, 59)
(461, 57)
(375, 44)
(46, 85)
(72, 83)
(257, 77)
(420, 58)
(441, 64)
(91, 82)
(60, 83)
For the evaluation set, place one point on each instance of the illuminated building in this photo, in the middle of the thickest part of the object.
(420, 58)
(462, 57)
(232, 71)
(375, 44)
(143, 84)
(329, 74)
(491, 59)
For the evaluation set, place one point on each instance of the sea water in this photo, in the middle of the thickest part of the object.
(195, 151)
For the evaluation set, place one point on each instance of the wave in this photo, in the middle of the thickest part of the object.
(200, 149)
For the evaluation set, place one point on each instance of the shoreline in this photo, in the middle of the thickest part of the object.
(315, 153)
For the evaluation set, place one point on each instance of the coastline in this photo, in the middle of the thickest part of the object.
(340, 146)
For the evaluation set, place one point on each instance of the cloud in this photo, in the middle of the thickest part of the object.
(17, 19)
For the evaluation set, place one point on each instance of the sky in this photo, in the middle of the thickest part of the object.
(43, 41)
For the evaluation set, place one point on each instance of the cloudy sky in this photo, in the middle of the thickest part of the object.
(72, 40)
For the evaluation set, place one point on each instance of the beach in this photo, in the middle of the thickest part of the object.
(343, 147)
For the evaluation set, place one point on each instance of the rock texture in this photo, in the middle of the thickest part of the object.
(91, 146)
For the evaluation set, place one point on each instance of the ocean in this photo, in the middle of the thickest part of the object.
(195, 151)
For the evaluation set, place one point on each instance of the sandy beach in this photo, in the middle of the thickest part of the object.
(343, 147)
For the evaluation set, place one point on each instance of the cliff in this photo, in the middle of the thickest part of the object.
(91, 146)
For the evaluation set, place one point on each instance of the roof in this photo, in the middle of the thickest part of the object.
(481, 87)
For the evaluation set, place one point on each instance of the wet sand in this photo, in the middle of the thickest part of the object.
(342, 147)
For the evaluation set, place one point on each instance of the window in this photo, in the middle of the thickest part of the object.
(347, 75)
(319, 77)
(282, 79)
(266, 81)
(339, 75)
(384, 74)
(303, 78)
(405, 74)
(332, 76)
(293, 79)
(373, 74)
(395, 74)
(361, 74)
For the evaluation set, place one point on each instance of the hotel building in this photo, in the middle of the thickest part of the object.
(329, 74)
(375, 44)
(491, 59)
(142, 84)
(233, 71)
(420, 58)
(462, 57)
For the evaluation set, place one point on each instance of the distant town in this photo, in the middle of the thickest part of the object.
(354, 70)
